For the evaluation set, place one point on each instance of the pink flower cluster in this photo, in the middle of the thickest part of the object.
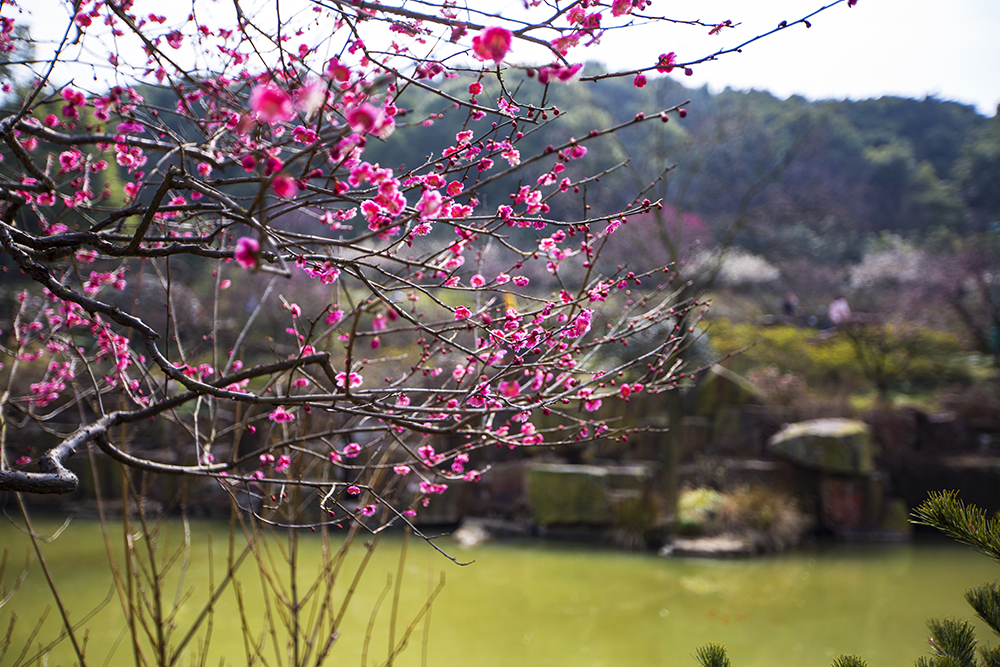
(492, 44)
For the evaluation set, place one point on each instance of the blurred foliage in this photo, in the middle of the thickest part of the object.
(695, 508)
(768, 518)
(908, 358)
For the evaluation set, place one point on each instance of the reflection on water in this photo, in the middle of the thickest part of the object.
(544, 604)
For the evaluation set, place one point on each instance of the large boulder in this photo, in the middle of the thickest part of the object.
(562, 494)
(841, 446)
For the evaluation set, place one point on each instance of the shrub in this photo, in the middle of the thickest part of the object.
(907, 358)
(695, 508)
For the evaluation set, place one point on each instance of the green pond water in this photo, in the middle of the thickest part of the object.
(535, 603)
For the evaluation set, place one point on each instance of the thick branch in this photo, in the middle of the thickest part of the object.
(54, 477)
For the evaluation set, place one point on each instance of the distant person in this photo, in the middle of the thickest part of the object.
(790, 306)
(838, 311)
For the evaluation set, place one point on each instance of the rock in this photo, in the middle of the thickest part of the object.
(711, 547)
(842, 500)
(471, 533)
(829, 445)
(580, 494)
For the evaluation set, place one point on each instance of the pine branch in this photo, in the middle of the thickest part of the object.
(849, 661)
(990, 656)
(953, 643)
(985, 600)
(713, 655)
(938, 661)
(951, 516)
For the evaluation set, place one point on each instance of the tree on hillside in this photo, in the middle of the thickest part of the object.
(221, 291)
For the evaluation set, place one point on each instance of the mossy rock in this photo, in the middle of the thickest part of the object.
(580, 494)
(841, 446)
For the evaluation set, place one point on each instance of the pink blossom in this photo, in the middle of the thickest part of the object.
(367, 510)
(429, 205)
(462, 313)
(246, 252)
(273, 165)
(492, 44)
(129, 127)
(23, 460)
(364, 118)
(283, 463)
(353, 490)
(428, 487)
(334, 317)
(621, 7)
(667, 62)
(508, 389)
(336, 71)
(354, 379)
(558, 72)
(310, 97)
(581, 324)
(280, 415)
(271, 104)
(352, 450)
(530, 436)
(285, 186)
(639, 81)
(401, 470)
(175, 38)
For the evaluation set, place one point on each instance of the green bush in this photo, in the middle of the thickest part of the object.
(695, 508)
(907, 358)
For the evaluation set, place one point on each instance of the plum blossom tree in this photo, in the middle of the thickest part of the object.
(229, 146)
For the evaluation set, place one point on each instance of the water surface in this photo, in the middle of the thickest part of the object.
(535, 603)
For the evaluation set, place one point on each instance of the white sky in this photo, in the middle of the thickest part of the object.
(911, 48)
